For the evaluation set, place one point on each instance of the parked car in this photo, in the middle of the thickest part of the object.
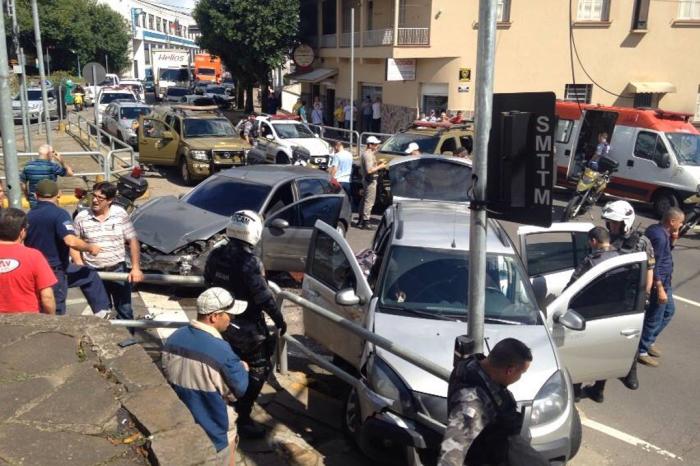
(278, 136)
(177, 235)
(198, 100)
(35, 104)
(136, 87)
(221, 95)
(108, 95)
(175, 93)
(416, 294)
(197, 140)
(120, 119)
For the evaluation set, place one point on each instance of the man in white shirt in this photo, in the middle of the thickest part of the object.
(350, 113)
(377, 115)
(341, 166)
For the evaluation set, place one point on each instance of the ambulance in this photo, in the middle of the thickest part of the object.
(658, 151)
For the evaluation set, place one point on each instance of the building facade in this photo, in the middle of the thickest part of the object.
(154, 26)
(420, 55)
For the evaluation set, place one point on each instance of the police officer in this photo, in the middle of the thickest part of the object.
(483, 416)
(619, 219)
(236, 268)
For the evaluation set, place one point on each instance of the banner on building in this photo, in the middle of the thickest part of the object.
(400, 69)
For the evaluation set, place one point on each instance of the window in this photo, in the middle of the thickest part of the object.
(224, 196)
(578, 93)
(265, 130)
(555, 251)
(150, 21)
(644, 100)
(282, 198)
(563, 131)
(153, 128)
(329, 264)
(449, 145)
(613, 294)
(176, 126)
(649, 146)
(592, 10)
(503, 14)
(305, 213)
(689, 9)
(467, 142)
(640, 15)
(313, 187)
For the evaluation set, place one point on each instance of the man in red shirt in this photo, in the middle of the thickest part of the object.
(25, 276)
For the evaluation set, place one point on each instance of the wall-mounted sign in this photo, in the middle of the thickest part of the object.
(400, 69)
(462, 88)
(465, 75)
(303, 55)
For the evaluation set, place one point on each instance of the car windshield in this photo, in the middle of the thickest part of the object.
(431, 178)
(177, 91)
(687, 147)
(206, 71)
(225, 196)
(208, 127)
(292, 131)
(173, 75)
(398, 143)
(429, 281)
(112, 96)
(216, 90)
(132, 113)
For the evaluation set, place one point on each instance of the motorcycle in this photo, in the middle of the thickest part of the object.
(129, 188)
(692, 217)
(590, 187)
(78, 101)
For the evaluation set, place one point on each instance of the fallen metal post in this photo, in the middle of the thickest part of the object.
(157, 279)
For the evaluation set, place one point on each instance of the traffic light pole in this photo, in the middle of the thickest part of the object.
(486, 46)
(7, 126)
(42, 74)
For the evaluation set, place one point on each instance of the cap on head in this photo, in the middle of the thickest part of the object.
(217, 299)
(245, 226)
(46, 189)
(373, 140)
(412, 147)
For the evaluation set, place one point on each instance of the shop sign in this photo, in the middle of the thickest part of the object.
(400, 69)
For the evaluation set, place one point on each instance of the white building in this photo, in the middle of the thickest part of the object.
(154, 26)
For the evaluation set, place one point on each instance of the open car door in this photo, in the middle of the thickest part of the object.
(334, 281)
(430, 177)
(287, 233)
(158, 142)
(597, 322)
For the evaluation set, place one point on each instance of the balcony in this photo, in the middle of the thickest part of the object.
(346, 37)
(413, 36)
(329, 40)
(378, 37)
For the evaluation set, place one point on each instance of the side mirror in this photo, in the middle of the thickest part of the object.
(166, 135)
(663, 160)
(571, 320)
(539, 286)
(279, 223)
(269, 137)
(347, 297)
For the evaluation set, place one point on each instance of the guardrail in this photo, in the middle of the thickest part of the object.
(378, 37)
(105, 161)
(329, 41)
(332, 134)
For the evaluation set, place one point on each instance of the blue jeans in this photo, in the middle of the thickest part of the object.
(656, 318)
(120, 294)
(89, 283)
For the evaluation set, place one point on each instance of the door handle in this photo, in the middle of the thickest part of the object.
(630, 332)
(630, 163)
(567, 152)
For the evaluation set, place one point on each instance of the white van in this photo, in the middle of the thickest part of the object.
(658, 151)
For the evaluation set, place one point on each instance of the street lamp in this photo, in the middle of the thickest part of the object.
(78, 57)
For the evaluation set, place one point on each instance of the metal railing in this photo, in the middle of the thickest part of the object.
(329, 41)
(378, 37)
(333, 134)
(345, 39)
(413, 36)
(104, 161)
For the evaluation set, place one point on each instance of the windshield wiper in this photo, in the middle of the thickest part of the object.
(418, 312)
(494, 320)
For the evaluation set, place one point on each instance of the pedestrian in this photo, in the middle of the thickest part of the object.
(483, 422)
(369, 169)
(661, 308)
(377, 115)
(341, 166)
(603, 148)
(317, 115)
(458, 118)
(109, 227)
(238, 269)
(51, 231)
(350, 113)
(619, 219)
(367, 114)
(412, 149)
(444, 118)
(272, 103)
(297, 105)
(249, 129)
(302, 111)
(26, 280)
(205, 373)
(339, 114)
(43, 168)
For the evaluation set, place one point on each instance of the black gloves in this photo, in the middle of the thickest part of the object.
(282, 327)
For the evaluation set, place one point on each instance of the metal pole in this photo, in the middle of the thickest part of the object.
(94, 93)
(23, 79)
(25, 98)
(352, 73)
(106, 63)
(7, 126)
(48, 62)
(42, 75)
(486, 45)
(60, 101)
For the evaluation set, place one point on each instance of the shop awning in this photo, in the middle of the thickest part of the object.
(313, 76)
(645, 87)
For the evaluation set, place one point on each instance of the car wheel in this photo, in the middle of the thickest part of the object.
(352, 421)
(282, 159)
(664, 200)
(576, 434)
(185, 172)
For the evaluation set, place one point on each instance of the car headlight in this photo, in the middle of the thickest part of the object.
(201, 155)
(385, 382)
(551, 400)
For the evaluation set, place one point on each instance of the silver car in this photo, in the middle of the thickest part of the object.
(120, 119)
(35, 104)
(415, 294)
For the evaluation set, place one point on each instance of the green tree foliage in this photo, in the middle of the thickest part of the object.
(89, 29)
(251, 36)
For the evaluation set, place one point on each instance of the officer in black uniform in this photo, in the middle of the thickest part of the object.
(236, 268)
(483, 418)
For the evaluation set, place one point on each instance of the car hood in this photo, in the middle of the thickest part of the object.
(225, 143)
(167, 223)
(316, 146)
(434, 340)
(126, 123)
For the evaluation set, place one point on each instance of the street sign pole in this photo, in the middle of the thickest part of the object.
(23, 77)
(352, 77)
(42, 74)
(25, 98)
(486, 45)
(7, 126)
(94, 103)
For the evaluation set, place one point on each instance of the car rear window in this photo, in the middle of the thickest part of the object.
(112, 96)
(225, 196)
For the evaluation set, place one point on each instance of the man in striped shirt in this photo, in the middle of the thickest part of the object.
(109, 227)
(43, 168)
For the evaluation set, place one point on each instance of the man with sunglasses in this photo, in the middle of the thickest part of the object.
(109, 227)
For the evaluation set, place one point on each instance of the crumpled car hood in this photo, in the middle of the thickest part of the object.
(167, 223)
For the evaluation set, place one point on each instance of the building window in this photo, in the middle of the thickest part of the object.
(150, 22)
(578, 93)
(640, 15)
(592, 10)
(643, 100)
(689, 9)
(503, 14)
(147, 54)
(158, 24)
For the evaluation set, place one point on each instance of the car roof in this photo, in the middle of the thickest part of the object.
(271, 175)
(414, 225)
(124, 103)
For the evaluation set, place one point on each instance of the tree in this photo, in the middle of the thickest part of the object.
(251, 36)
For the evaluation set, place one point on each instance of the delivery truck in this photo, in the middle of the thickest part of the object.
(170, 68)
(207, 68)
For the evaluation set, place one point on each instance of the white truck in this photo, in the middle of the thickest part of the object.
(170, 68)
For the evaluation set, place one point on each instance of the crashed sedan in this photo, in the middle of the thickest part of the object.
(177, 235)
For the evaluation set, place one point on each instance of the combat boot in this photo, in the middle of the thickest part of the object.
(630, 380)
(248, 428)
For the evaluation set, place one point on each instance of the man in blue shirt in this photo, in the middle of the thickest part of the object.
(51, 232)
(661, 306)
(43, 168)
(205, 372)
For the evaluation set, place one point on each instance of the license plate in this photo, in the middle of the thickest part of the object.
(226, 155)
(318, 160)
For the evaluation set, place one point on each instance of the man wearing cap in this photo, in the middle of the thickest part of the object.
(413, 149)
(205, 372)
(51, 231)
(43, 168)
(369, 169)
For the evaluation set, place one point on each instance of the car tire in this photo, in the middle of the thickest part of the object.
(576, 434)
(282, 159)
(663, 200)
(352, 417)
(185, 174)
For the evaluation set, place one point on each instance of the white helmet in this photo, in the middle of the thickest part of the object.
(619, 211)
(246, 226)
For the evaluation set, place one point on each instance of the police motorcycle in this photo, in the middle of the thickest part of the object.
(692, 217)
(590, 187)
(129, 188)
